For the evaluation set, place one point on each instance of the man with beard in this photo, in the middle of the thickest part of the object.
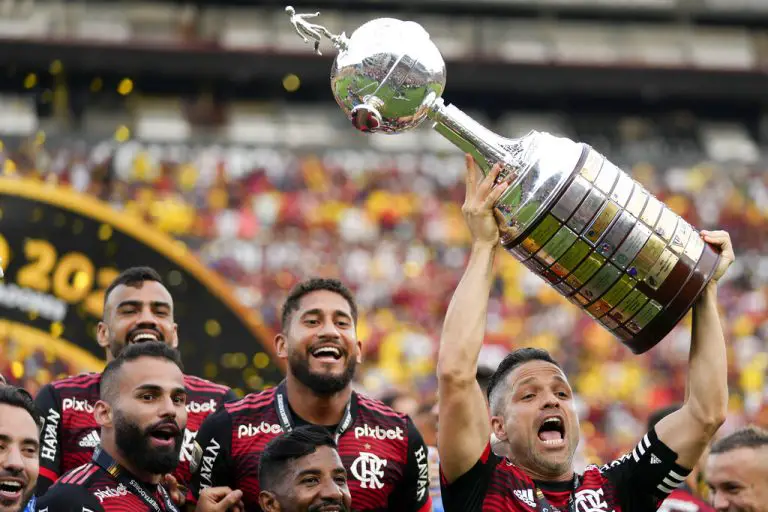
(737, 471)
(142, 414)
(532, 405)
(384, 454)
(685, 498)
(19, 449)
(301, 471)
(137, 308)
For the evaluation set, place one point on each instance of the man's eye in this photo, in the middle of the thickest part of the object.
(528, 396)
(148, 397)
(309, 481)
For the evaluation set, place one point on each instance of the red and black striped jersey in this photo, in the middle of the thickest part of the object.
(89, 488)
(70, 432)
(636, 482)
(683, 500)
(383, 452)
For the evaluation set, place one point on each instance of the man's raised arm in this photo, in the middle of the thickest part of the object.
(465, 427)
(688, 430)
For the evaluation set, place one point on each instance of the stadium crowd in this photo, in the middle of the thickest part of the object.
(390, 227)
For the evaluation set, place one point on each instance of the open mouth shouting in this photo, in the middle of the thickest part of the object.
(326, 353)
(11, 489)
(551, 432)
(164, 435)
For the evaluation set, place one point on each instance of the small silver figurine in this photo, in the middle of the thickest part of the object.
(311, 30)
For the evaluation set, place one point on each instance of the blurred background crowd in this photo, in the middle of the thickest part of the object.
(258, 172)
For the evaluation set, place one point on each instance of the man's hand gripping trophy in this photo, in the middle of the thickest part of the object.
(312, 31)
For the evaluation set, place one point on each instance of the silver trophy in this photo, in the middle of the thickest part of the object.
(570, 215)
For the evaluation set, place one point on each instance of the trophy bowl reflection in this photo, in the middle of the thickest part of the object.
(570, 215)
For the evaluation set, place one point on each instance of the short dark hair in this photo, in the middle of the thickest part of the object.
(287, 448)
(659, 414)
(483, 377)
(133, 276)
(512, 361)
(312, 285)
(748, 437)
(19, 397)
(156, 349)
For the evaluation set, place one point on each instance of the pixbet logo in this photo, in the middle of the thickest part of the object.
(379, 433)
(76, 405)
(103, 494)
(196, 407)
(251, 430)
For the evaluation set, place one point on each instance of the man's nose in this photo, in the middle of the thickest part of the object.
(13, 460)
(719, 501)
(167, 408)
(331, 490)
(147, 316)
(551, 401)
(329, 330)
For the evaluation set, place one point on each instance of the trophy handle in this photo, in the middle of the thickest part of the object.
(485, 146)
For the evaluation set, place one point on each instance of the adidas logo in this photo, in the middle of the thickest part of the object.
(655, 459)
(526, 496)
(92, 440)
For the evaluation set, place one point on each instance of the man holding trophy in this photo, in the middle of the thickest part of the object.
(587, 228)
(532, 408)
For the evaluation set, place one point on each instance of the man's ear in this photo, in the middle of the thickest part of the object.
(497, 427)
(268, 502)
(175, 342)
(359, 351)
(102, 413)
(280, 349)
(102, 335)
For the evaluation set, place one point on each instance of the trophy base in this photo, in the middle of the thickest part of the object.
(679, 306)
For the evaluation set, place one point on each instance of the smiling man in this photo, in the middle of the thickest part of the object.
(19, 448)
(137, 308)
(532, 407)
(302, 472)
(382, 451)
(737, 471)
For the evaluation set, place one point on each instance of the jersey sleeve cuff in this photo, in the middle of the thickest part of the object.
(652, 451)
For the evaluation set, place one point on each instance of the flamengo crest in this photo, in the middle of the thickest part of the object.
(368, 468)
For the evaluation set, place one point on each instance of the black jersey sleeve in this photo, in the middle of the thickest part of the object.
(413, 494)
(646, 475)
(467, 493)
(68, 498)
(48, 403)
(211, 465)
